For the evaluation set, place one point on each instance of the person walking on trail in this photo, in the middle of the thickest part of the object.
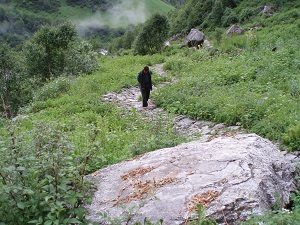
(145, 83)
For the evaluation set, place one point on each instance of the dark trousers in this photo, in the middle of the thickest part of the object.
(145, 96)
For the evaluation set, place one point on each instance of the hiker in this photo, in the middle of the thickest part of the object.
(145, 83)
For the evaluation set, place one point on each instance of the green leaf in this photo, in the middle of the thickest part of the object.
(74, 220)
(48, 222)
(21, 205)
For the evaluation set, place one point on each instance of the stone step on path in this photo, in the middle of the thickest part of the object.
(130, 99)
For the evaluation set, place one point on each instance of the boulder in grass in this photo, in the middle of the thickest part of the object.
(268, 10)
(195, 38)
(235, 30)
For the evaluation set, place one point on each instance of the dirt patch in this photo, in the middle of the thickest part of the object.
(144, 189)
(135, 173)
(204, 199)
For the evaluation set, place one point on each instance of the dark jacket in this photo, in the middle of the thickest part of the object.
(145, 80)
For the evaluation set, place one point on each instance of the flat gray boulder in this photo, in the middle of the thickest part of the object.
(233, 176)
(234, 30)
(194, 38)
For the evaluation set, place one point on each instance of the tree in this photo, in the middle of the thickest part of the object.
(216, 13)
(11, 86)
(152, 35)
(45, 53)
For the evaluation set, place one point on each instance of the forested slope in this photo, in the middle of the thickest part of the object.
(20, 19)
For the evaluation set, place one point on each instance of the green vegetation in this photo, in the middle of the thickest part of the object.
(20, 19)
(65, 131)
(52, 52)
(244, 82)
(151, 38)
(88, 132)
(155, 6)
(79, 106)
(209, 14)
(13, 83)
(41, 181)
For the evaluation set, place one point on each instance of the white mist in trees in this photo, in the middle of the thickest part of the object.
(150, 40)
(127, 12)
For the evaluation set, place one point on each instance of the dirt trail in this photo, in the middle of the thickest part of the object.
(130, 99)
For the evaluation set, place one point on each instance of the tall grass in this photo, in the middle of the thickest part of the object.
(251, 80)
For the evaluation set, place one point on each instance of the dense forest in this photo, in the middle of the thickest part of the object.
(54, 128)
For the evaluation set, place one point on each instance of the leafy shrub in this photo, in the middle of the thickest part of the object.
(247, 13)
(233, 43)
(292, 138)
(230, 17)
(53, 89)
(126, 41)
(150, 40)
(205, 13)
(41, 181)
(80, 59)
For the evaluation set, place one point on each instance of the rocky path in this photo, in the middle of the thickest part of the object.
(130, 99)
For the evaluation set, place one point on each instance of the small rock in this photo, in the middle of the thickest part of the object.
(219, 126)
(175, 37)
(235, 30)
(167, 43)
(103, 52)
(268, 10)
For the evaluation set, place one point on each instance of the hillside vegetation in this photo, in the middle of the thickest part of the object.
(56, 129)
(20, 19)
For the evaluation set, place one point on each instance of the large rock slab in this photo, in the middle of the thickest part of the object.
(233, 176)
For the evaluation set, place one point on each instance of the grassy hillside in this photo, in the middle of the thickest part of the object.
(252, 80)
(157, 6)
(75, 13)
(78, 108)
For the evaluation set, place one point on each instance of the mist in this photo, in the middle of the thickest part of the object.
(127, 12)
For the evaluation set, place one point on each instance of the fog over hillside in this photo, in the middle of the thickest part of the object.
(125, 13)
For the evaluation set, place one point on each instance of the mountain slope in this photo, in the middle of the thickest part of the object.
(20, 19)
